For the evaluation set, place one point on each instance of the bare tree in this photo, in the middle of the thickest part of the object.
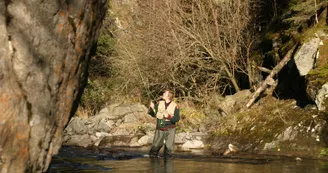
(194, 46)
(215, 35)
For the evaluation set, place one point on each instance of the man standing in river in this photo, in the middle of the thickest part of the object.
(167, 115)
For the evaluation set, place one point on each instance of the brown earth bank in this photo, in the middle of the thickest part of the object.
(46, 46)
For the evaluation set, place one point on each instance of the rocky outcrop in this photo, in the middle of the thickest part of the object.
(116, 125)
(301, 137)
(43, 68)
(123, 125)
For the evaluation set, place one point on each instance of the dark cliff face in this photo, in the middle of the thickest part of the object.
(44, 51)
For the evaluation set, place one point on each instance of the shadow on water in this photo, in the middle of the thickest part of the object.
(72, 160)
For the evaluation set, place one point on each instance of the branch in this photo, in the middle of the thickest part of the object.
(269, 78)
(263, 69)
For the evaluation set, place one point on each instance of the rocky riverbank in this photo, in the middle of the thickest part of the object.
(123, 125)
(272, 126)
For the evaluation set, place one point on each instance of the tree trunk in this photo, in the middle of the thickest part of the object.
(269, 78)
(45, 48)
(315, 11)
(275, 9)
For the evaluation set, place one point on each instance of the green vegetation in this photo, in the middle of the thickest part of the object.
(299, 12)
(318, 77)
(95, 94)
(191, 118)
(324, 152)
(100, 83)
(296, 24)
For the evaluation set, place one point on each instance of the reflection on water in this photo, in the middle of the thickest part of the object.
(162, 165)
(78, 160)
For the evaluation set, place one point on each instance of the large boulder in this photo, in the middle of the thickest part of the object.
(194, 144)
(305, 57)
(45, 48)
(191, 140)
(233, 103)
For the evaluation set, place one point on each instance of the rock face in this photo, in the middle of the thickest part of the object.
(43, 67)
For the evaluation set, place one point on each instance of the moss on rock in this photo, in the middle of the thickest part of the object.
(265, 123)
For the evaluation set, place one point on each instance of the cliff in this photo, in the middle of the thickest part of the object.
(44, 57)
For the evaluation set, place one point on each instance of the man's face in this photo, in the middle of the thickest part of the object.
(166, 95)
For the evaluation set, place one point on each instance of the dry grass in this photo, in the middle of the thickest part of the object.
(191, 117)
(83, 112)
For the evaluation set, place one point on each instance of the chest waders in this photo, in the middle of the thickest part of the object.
(163, 134)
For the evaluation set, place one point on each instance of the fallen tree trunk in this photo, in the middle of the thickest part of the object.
(44, 54)
(269, 78)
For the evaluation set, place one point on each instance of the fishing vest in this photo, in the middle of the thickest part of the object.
(162, 112)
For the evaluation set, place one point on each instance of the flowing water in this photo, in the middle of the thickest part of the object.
(79, 160)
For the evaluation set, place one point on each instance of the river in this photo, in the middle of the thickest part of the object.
(122, 160)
